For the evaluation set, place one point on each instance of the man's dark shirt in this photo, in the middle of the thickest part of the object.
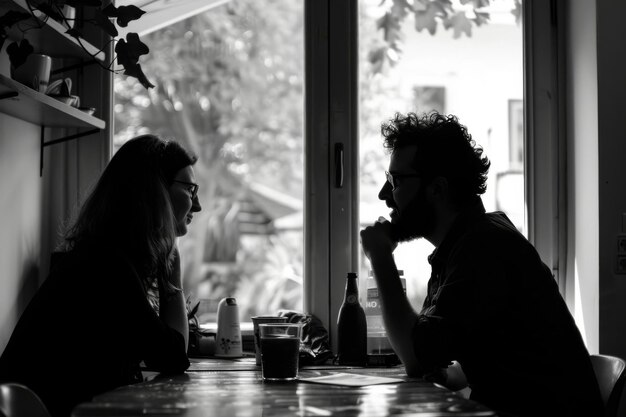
(86, 331)
(494, 306)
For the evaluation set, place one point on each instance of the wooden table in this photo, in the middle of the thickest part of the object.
(236, 389)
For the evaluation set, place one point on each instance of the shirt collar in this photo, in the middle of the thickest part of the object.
(459, 226)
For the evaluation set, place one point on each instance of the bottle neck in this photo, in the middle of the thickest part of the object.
(352, 291)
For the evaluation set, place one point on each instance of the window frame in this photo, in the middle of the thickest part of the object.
(331, 154)
(545, 138)
(331, 120)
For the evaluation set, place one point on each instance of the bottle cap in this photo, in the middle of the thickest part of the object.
(352, 275)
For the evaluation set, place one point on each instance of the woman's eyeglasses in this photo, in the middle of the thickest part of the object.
(193, 185)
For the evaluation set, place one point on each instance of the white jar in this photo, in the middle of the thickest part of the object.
(228, 339)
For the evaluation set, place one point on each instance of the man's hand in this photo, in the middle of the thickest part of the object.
(377, 240)
(398, 315)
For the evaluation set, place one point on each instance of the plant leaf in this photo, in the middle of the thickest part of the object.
(19, 52)
(12, 17)
(123, 56)
(445, 6)
(136, 71)
(50, 10)
(419, 6)
(427, 19)
(460, 24)
(105, 24)
(517, 12)
(481, 18)
(127, 14)
(128, 52)
(133, 48)
(84, 3)
(110, 11)
(194, 310)
(477, 4)
(391, 28)
(400, 8)
(74, 32)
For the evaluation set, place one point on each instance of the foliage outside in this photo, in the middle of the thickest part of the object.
(229, 86)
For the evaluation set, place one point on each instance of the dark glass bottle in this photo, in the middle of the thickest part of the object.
(352, 326)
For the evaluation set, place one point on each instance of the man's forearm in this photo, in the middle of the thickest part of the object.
(398, 315)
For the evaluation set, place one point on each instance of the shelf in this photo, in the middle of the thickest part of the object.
(38, 108)
(51, 39)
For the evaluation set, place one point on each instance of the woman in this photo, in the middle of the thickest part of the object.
(113, 297)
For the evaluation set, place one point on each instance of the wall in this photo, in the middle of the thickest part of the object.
(611, 79)
(20, 222)
(611, 33)
(33, 207)
(582, 170)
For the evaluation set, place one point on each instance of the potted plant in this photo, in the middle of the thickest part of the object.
(199, 340)
(98, 13)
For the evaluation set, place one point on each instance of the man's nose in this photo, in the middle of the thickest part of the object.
(385, 192)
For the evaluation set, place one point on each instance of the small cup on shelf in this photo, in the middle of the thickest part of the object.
(89, 110)
(34, 73)
(75, 101)
(69, 13)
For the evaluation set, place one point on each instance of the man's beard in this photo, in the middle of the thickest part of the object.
(416, 220)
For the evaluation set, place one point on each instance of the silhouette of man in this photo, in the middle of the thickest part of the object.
(493, 317)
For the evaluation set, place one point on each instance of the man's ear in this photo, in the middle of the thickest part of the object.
(439, 188)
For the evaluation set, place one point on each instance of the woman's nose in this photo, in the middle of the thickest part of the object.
(195, 204)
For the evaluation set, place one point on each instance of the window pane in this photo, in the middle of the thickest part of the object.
(474, 72)
(229, 86)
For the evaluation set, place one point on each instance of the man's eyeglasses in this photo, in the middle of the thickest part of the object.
(393, 178)
(194, 187)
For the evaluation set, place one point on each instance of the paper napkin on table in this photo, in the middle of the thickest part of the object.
(352, 380)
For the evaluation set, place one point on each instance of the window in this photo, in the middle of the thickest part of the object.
(230, 88)
(473, 72)
(297, 174)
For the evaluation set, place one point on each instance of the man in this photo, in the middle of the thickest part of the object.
(493, 309)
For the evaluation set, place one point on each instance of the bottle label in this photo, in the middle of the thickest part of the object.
(372, 298)
(375, 326)
(351, 299)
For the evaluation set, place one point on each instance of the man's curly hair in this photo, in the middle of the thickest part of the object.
(444, 148)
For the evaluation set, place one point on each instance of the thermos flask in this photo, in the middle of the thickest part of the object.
(228, 339)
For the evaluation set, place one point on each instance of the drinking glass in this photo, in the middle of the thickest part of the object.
(256, 320)
(280, 350)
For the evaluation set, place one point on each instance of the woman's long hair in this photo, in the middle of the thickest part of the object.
(130, 211)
